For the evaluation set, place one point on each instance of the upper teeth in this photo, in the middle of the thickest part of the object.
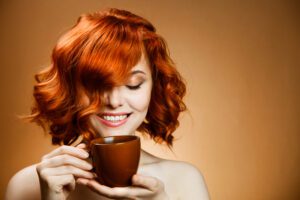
(114, 118)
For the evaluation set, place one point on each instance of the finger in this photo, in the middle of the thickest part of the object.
(82, 181)
(147, 182)
(65, 160)
(107, 191)
(81, 146)
(67, 150)
(65, 170)
(116, 192)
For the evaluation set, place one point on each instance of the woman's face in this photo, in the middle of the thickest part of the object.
(126, 106)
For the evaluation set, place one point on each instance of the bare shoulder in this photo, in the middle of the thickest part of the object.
(24, 185)
(192, 183)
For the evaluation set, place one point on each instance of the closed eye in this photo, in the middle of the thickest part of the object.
(134, 87)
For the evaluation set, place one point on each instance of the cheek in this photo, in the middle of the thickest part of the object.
(93, 121)
(140, 101)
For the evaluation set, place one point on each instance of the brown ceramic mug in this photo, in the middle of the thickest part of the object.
(116, 159)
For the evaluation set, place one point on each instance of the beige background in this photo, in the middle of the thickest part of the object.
(241, 61)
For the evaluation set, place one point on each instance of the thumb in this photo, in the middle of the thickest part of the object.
(62, 185)
(145, 181)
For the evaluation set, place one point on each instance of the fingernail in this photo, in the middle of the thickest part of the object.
(85, 154)
(90, 166)
(91, 175)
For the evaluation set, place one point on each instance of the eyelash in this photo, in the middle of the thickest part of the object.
(134, 87)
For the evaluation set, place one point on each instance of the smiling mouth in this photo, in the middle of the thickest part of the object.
(113, 120)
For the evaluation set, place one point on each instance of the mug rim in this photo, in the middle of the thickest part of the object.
(132, 139)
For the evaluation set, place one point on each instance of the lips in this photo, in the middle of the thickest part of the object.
(113, 119)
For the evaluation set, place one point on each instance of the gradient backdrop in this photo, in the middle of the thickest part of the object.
(241, 60)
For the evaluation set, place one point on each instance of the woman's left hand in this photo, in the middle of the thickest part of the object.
(143, 187)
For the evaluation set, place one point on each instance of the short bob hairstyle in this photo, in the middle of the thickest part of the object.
(94, 56)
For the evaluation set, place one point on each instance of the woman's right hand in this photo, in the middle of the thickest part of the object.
(59, 170)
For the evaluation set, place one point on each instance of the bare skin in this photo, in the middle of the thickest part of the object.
(176, 180)
(65, 173)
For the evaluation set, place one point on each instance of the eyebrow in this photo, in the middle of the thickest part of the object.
(137, 71)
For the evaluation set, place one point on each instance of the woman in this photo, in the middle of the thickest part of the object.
(111, 74)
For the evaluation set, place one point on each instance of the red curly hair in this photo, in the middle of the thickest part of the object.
(94, 56)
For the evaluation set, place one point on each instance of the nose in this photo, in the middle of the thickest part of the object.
(114, 98)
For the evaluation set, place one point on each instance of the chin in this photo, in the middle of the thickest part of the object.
(110, 132)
